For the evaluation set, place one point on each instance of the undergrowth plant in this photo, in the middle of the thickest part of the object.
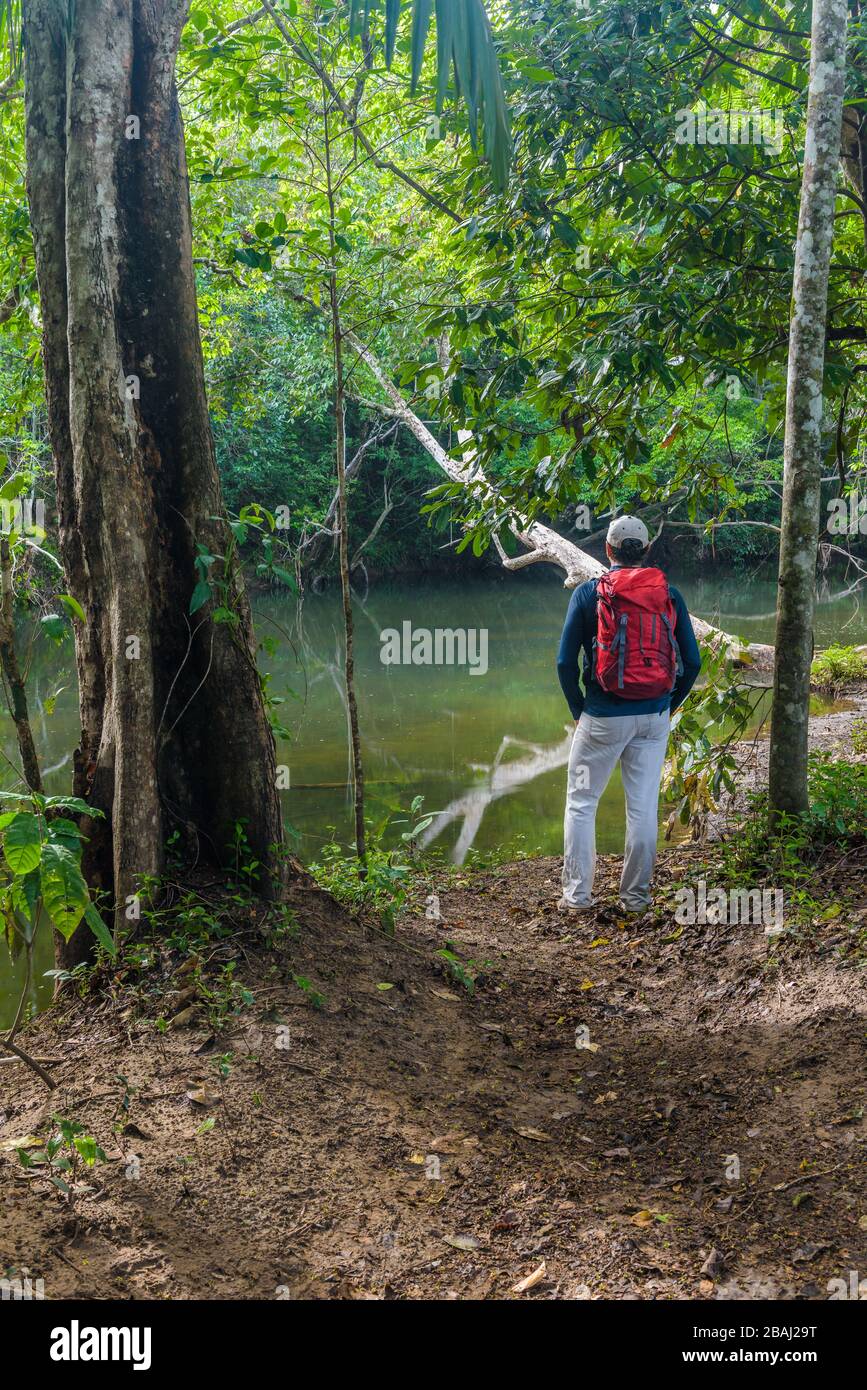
(382, 883)
(701, 765)
(66, 1156)
(837, 667)
(41, 884)
(797, 853)
(463, 972)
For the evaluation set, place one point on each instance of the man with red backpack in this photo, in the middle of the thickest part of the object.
(641, 660)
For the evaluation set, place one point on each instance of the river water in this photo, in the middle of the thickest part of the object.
(486, 751)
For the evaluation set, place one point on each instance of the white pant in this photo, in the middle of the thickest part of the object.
(640, 742)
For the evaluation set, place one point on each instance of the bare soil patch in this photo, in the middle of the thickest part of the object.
(419, 1142)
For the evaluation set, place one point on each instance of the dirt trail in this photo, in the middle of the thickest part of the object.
(416, 1142)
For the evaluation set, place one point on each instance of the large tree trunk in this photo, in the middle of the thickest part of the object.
(174, 733)
(14, 676)
(802, 456)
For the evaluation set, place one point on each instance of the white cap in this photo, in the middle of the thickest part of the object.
(627, 528)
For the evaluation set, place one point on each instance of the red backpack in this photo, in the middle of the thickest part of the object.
(635, 654)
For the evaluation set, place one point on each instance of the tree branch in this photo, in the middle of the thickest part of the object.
(545, 544)
(306, 57)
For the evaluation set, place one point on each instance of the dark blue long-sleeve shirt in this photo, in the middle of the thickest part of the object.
(579, 631)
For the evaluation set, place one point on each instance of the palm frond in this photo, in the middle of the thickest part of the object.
(465, 47)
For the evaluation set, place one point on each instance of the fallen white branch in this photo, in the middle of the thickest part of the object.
(543, 544)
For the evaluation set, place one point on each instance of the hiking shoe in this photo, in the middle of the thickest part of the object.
(579, 909)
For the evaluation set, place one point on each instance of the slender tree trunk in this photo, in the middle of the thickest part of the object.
(349, 636)
(174, 733)
(342, 508)
(799, 535)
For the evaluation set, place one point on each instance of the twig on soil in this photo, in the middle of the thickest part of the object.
(86, 1100)
(21, 1056)
(45, 1061)
(810, 1177)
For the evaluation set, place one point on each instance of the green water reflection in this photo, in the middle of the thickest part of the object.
(487, 752)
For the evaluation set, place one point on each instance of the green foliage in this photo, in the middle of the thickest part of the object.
(838, 801)
(245, 866)
(465, 43)
(798, 856)
(837, 667)
(41, 879)
(702, 762)
(791, 854)
(68, 1153)
(463, 972)
(187, 923)
(381, 883)
(269, 391)
(512, 852)
(224, 997)
(309, 990)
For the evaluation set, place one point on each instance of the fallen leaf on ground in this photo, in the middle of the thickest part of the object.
(462, 1242)
(713, 1265)
(203, 1095)
(131, 1131)
(527, 1132)
(447, 1143)
(27, 1141)
(185, 1016)
(809, 1251)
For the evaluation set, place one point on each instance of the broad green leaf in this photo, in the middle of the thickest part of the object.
(65, 832)
(392, 15)
(99, 929)
(25, 893)
(421, 13)
(201, 594)
(73, 605)
(54, 627)
(74, 804)
(64, 891)
(22, 843)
